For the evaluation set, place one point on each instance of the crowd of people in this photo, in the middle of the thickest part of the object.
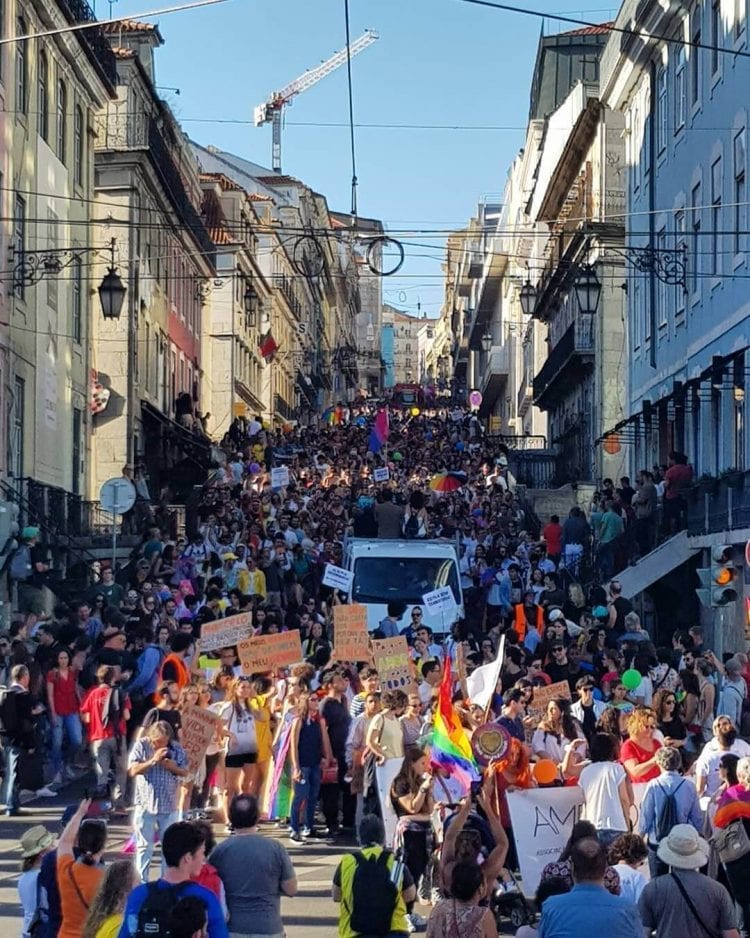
(650, 733)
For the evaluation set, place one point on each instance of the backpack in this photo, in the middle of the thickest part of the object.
(411, 527)
(154, 915)
(374, 895)
(668, 816)
(9, 725)
(20, 563)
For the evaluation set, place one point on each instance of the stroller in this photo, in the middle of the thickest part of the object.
(508, 902)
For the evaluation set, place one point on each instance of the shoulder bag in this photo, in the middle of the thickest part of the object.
(696, 915)
(732, 842)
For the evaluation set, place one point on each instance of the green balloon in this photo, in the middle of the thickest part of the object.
(397, 457)
(631, 678)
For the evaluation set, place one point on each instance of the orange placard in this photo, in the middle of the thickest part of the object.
(268, 652)
(350, 636)
(198, 731)
(224, 632)
(392, 660)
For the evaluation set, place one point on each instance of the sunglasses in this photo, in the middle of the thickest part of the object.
(557, 651)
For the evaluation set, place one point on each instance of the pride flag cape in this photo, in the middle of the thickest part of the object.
(379, 432)
(450, 746)
(278, 797)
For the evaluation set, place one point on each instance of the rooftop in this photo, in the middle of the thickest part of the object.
(600, 29)
(128, 26)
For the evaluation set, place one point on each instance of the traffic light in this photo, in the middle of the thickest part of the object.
(719, 581)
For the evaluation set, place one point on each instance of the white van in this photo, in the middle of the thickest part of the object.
(397, 570)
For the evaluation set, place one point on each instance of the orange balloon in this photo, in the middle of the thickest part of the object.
(545, 771)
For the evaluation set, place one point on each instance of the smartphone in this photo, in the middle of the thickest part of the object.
(475, 787)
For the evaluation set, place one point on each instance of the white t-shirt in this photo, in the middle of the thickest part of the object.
(631, 882)
(707, 765)
(600, 783)
(242, 724)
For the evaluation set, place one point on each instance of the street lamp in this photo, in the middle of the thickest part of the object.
(250, 299)
(486, 342)
(527, 297)
(588, 290)
(112, 290)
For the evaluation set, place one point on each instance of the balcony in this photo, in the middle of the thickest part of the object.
(495, 377)
(716, 506)
(92, 39)
(574, 351)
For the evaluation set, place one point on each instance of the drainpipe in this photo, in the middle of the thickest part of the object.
(652, 209)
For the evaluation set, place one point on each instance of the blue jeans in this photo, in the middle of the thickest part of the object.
(71, 726)
(306, 790)
(11, 790)
(144, 825)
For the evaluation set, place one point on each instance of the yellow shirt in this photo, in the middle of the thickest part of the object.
(110, 926)
(263, 735)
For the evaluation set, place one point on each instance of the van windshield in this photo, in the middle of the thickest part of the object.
(390, 579)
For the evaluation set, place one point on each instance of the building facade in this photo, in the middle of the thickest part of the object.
(51, 89)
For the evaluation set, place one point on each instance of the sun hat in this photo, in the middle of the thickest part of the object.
(683, 848)
(600, 612)
(35, 840)
(229, 556)
(555, 615)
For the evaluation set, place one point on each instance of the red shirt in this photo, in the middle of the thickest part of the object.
(631, 750)
(93, 705)
(552, 535)
(677, 479)
(64, 695)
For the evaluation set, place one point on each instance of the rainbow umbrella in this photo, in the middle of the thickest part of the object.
(448, 481)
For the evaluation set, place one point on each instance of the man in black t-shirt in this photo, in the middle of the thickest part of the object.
(619, 607)
(168, 695)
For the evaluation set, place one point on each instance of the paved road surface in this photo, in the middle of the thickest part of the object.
(311, 914)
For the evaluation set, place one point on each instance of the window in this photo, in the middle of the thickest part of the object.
(76, 304)
(19, 240)
(22, 68)
(695, 58)
(61, 122)
(78, 146)
(52, 244)
(695, 226)
(17, 409)
(661, 110)
(76, 467)
(739, 18)
(42, 97)
(716, 36)
(662, 297)
(716, 216)
(680, 89)
(680, 240)
(739, 196)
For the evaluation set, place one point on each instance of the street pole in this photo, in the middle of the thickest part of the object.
(114, 541)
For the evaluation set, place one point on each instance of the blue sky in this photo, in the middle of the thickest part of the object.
(436, 62)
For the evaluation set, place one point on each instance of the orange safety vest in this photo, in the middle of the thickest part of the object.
(519, 625)
(183, 675)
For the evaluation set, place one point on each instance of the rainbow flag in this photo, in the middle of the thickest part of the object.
(379, 432)
(450, 746)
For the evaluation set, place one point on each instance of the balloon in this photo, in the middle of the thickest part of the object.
(397, 457)
(545, 771)
(631, 679)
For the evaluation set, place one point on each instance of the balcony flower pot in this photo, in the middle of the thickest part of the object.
(734, 478)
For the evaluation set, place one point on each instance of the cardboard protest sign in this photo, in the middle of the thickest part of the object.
(393, 663)
(268, 652)
(440, 600)
(199, 729)
(224, 632)
(542, 696)
(381, 475)
(337, 577)
(350, 637)
(542, 819)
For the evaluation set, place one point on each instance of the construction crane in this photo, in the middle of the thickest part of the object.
(271, 111)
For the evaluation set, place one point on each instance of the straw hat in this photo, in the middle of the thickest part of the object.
(683, 848)
(35, 840)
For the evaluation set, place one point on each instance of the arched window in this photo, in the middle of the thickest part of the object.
(42, 96)
(61, 122)
(79, 136)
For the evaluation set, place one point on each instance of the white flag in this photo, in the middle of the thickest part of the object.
(482, 682)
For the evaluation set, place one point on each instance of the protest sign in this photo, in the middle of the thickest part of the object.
(381, 475)
(199, 728)
(393, 663)
(350, 633)
(537, 709)
(224, 632)
(542, 819)
(268, 652)
(440, 600)
(279, 477)
(338, 578)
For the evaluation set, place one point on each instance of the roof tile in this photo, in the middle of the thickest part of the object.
(128, 26)
(600, 29)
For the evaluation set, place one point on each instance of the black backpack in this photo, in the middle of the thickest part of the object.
(9, 723)
(154, 916)
(668, 816)
(374, 895)
(411, 528)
